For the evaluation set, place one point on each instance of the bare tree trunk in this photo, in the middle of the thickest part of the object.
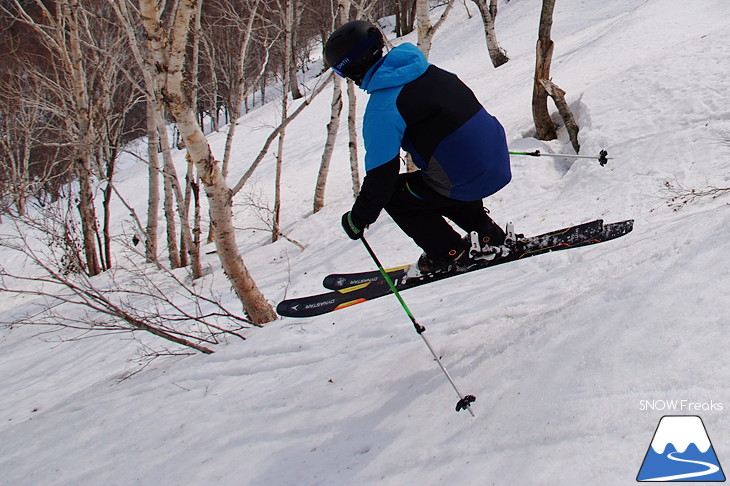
(171, 192)
(154, 80)
(423, 21)
(243, 93)
(70, 14)
(426, 31)
(543, 124)
(168, 206)
(489, 13)
(209, 104)
(341, 17)
(192, 196)
(275, 226)
(107, 214)
(152, 85)
(272, 136)
(294, 20)
(287, 82)
(196, 265)
(329, 145)
(240, 84)
(169, 57)
(153, 191)
(352, 132)
(88, 216)
(404, 16)
(187, 249)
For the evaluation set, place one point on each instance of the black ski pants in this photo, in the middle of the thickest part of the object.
(420, 211)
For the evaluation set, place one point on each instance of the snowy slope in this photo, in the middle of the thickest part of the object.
(560, 350)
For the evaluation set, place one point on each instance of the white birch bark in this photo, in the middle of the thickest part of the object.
(329, 145)
(352, 136)
(153, 189)
(333, 127)
(272, 136)
(427, 31)
(169, 52)
(240, 84)
(73, 58)
(489, 13)
(287, 83)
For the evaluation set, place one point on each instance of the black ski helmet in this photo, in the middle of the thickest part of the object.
(353, 48)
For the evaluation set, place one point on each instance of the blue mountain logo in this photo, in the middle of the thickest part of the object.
(681, 451)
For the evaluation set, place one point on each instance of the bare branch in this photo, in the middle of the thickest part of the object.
(278, 130)
(124, 299)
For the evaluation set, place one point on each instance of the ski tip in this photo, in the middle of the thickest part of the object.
(282, 309)
(333, 282)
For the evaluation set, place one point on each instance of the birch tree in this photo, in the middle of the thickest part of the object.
(343, 14)
(293, 21)
(353, 138)
(405, 16)
(169, 44)
(60, 32)
(340, 17)
(426, 30)
(287, 81)
(174, 203)
(156, 132)
(116, 98)
(237, 20)
(272, 136)
(488, 13)
(364, 10)
(24, 133)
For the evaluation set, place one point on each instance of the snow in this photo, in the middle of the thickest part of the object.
(560, 350)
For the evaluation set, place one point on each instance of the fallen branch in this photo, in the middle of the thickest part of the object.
(558, 96)
(129, 298)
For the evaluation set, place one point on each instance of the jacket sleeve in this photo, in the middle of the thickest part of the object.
(383, 128)
(377, 190)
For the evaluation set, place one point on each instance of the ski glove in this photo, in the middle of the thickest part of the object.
(350, 227)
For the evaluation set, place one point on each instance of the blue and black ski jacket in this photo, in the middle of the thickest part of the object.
(428, 112)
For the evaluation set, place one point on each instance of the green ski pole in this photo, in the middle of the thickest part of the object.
(464, 400)
(602, 156)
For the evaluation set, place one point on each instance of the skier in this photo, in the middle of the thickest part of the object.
(459, 148)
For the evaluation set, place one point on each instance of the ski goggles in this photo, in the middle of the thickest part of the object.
(354, 54)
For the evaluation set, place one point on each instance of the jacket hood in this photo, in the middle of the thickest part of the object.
(400, 66)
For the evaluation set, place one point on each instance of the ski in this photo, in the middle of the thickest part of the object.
(534, 245)
(371, 288)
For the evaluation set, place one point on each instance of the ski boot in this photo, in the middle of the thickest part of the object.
(457, 260)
